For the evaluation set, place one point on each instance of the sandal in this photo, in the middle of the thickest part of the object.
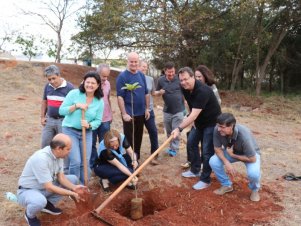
(131, 186)
(104, 183)
(291, 177)
(186, 165)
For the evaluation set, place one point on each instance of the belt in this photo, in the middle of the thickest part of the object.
(20, 187)
(57, 117)
(79, 130)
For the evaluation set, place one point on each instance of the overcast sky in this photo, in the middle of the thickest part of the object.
(12, 19)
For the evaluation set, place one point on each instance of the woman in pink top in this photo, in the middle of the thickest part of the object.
(104, 72)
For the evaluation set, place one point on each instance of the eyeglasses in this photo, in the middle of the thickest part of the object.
(185, 79)
(222, 126)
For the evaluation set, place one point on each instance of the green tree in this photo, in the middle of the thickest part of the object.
(28, 46)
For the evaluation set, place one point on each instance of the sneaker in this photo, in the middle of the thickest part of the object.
(186, 164)
(200, 185)
(131, 186)
(190, 174)
(51, 209)
(255, 197)
(155, 162)
(171, 153)
(104, 183)
(223, 189)
(32, 221)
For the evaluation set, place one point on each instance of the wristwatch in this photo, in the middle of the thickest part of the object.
(180, 129)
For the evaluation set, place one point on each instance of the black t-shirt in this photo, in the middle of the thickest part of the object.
(108, 155)
(202, 97)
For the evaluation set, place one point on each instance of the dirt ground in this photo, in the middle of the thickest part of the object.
(168, 198)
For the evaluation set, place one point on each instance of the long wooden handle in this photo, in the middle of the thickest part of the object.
(125, 183)
(84, 150)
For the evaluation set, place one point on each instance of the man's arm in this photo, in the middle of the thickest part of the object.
(147, 99)
(229, 168)
(50, 187)
(125, 116)
(242, 158)
(43, 112)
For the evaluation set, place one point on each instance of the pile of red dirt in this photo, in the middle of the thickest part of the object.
(170, 205)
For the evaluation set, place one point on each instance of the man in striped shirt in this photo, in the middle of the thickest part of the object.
(55, 92)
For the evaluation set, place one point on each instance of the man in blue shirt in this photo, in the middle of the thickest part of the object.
(140, 102)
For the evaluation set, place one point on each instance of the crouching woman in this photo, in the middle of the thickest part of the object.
(116, 160)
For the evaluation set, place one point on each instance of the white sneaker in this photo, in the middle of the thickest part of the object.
(200, 185)
(190, 174)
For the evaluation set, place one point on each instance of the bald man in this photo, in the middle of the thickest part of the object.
(42, 182)
(140, 102)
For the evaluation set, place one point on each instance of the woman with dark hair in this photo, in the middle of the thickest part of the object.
(87, 97)
(205, 75)
(116, 160)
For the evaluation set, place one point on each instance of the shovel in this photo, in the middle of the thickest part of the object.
(84, 150)
(96, 212)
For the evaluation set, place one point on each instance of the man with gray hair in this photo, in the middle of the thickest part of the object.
(104, 73)
(54, 94)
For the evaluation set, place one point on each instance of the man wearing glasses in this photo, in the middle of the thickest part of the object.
(232, 143)
(204, 109)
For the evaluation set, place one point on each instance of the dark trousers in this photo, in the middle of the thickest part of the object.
(98, 134)
(138, 133)
(204, 135)
(150, 125)
(111, 172)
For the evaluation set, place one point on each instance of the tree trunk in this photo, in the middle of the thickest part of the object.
(235, 73)
(59, 48)
(260, 72)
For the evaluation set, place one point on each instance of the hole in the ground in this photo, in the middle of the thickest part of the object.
(152, 203)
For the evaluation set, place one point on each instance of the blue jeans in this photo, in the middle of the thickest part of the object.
(35, 200)
(112, 173)
(52, 127)
(204, 135)
(98, 133)
(76, 162)
(253, 171)
(150, 125)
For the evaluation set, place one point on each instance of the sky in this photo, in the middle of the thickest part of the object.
(12, 18)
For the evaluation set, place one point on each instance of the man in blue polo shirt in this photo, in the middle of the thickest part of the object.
(140, 102)
(232, 143)
(54, 94)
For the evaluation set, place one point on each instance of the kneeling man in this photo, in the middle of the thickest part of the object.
(232, 143)
(42, 180)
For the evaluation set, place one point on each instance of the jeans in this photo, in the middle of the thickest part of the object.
(138, 133)
(52, 127)
(253, 171)
(150, 125)
(98, 133)
(76, 162)
(204, 135)
(35, 200)
(171, 122)
(112, 173)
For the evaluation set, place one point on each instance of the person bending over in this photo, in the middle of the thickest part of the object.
(116, 160)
